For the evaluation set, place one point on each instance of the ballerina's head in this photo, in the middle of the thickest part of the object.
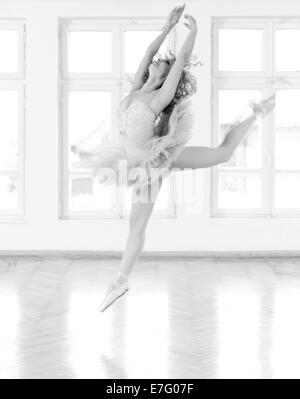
(159, 69)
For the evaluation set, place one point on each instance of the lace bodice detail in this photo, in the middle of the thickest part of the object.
(136, 115)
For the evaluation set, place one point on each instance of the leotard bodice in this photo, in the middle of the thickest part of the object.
(137, 125)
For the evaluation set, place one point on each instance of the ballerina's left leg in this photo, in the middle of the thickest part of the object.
(140, 213)
(203, 157)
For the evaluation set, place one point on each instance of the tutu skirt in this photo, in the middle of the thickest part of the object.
(112, 163)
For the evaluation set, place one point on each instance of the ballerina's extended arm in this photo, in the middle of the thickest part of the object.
(155, 45)
(166, 93)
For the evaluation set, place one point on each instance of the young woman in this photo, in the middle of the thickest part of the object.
(156, 125)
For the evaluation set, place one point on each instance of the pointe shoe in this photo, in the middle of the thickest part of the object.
(116, 291)
(263, 107)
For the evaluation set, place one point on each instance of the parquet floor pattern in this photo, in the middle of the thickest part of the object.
(182, 318)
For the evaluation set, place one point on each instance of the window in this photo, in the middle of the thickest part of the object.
(98, 61)
(252, 59)
(12, 81)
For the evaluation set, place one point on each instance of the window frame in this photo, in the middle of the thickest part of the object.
(17, 82)
(268, 82)
(68, 87)
(228, 23)
(283, 212)
(265, 154)
(283, 24)
(20, 27)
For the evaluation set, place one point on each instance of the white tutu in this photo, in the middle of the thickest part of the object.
(138, 153)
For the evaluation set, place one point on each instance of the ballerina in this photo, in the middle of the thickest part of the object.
(156, 124)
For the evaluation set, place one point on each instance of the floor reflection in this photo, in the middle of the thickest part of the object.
(147, 335)
(238, 334)
(285, 334)
(9, 316)
(182, 318)
(89, 335)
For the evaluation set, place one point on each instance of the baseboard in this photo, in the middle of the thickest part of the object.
(153, 254)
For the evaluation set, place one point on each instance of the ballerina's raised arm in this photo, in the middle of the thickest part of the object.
(166, 93)
(153, 48)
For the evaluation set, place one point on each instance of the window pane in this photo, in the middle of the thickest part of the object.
(237, 192)
(287, 191)
(86, 194)
(8, 193)
(88, 111)
(240, 49)
(9, 129)
(89, 52)
(232, 106)
(9, 48)
(136, 43)
(287, 137)
(287, 56)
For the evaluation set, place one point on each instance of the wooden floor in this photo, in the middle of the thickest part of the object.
(182, 318)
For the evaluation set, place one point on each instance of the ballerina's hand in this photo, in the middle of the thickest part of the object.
(192, 23)
(175, 15)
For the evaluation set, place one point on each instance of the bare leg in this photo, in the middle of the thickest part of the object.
(204, 157)
(139, 217)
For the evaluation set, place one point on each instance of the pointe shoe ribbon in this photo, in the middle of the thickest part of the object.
(115, 292)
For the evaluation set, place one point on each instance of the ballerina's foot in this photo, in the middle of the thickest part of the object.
(116, 290)
(263, 107)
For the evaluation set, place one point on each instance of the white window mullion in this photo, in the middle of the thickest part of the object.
(14, 81)
(21, 150)
(63, 150)
(268, 123)
(214, 192)
(267, 126)
(270, 164)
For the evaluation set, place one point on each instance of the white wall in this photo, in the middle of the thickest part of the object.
(43, 230)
